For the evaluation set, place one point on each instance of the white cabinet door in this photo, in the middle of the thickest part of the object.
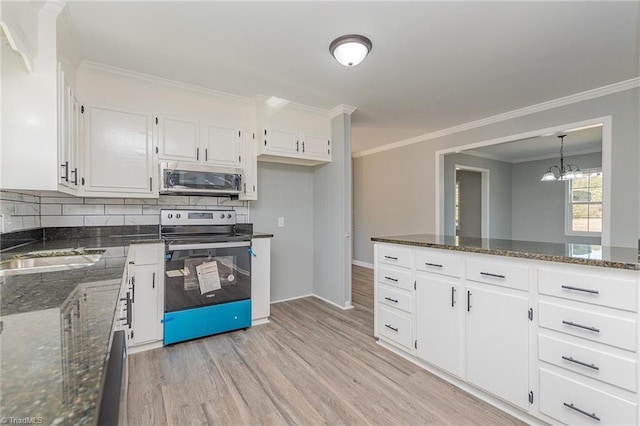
(178, 139)
(147, 292)
(438, 323)
(145, 304)
(69, 133)
(280, 142)
(118, 151)
(260, 279)
(222, 146)
(249, 166)
(498, 342)
(316, 146)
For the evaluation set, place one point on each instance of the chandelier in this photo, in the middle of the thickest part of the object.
(565, 171)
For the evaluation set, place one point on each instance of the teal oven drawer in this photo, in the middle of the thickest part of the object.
(206, 321)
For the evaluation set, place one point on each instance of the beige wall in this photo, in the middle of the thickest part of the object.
(394, 191)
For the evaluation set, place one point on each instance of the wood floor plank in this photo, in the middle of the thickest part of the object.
(312, 364)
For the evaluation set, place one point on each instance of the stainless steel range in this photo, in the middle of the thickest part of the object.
(207, 274)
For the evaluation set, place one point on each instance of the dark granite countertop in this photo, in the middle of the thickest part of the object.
(56, 331)
(582, 254)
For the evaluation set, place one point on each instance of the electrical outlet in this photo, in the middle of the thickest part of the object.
(281, 222)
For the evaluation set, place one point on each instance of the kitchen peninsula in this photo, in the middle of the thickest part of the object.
(545, 331)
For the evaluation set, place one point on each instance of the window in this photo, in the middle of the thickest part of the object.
(584, 206)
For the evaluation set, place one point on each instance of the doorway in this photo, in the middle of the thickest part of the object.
(471, 202)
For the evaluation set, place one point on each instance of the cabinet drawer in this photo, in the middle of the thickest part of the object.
(438, 262)
(395, 277)
(395, 298)
(394, 326)
(395, 256)
(607, 329)
(589, 361)
(505, 274)
(572, 402)
(590, 288)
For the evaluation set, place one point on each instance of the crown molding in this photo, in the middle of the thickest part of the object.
(341, 109)
(555, 103)
(263, 99)
(96, 66)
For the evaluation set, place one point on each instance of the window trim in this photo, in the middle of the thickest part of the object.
(568, 211)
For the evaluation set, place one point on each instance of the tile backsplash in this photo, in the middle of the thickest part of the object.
(18, 211)
(24, 211)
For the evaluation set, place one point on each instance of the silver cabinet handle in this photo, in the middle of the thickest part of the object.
(391, 328)
(391, 300)
(574, 408)
(435, 265)
(391, 257)
(584, 290)
(573, 324)
(197, 154)
(584, 364)
(453, 296)
(489, 274)
(395, 280)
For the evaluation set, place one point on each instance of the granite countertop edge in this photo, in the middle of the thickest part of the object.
(511, 253)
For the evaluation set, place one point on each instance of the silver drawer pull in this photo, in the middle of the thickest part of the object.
(488, 274)
(584, 364)
(395, 280)
(391, 328)
(435, 265)
(584, 290)
(391, 257)
(391, 300)
(573, 324)
(573, 407)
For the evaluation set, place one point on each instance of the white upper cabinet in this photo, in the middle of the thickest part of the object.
(249, 166)
(293, 133)
(185, 139)
(69, 137)
(178, 139)
(222, 146)
(118, 152)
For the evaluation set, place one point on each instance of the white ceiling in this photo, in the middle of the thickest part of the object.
(433, 65)
(576, 142)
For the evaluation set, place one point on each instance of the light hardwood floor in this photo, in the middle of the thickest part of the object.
(312, 364)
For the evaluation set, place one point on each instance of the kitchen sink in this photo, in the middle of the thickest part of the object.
(47, 261)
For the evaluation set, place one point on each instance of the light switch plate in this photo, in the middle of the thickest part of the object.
(281, 222)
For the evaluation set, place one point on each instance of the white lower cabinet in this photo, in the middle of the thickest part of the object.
(146, 289)
(545, 341)
(575, 403)
(439, 323)
(260, 280)
(497, 343)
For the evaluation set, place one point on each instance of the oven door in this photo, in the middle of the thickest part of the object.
(198, 275)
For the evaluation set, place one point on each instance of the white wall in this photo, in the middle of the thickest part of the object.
(287, 191)
(394, 191)
(499, 192)
(539, 208)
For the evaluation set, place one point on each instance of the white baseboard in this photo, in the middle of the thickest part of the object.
(292, 298)
(144, 347)
(363, 264)
(347, 305)
(260, 321)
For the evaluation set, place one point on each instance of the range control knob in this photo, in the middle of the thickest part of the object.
(169, 215)
(222, 216)
(229, 216)
(177, 215)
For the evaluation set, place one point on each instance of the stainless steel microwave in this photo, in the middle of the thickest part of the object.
(189, 178)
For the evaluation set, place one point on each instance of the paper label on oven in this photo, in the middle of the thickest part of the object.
(208, 277)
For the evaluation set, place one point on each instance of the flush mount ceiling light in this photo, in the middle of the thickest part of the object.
(565, 171)
(350, 49)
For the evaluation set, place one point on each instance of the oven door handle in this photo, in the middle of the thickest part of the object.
(197, 246)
